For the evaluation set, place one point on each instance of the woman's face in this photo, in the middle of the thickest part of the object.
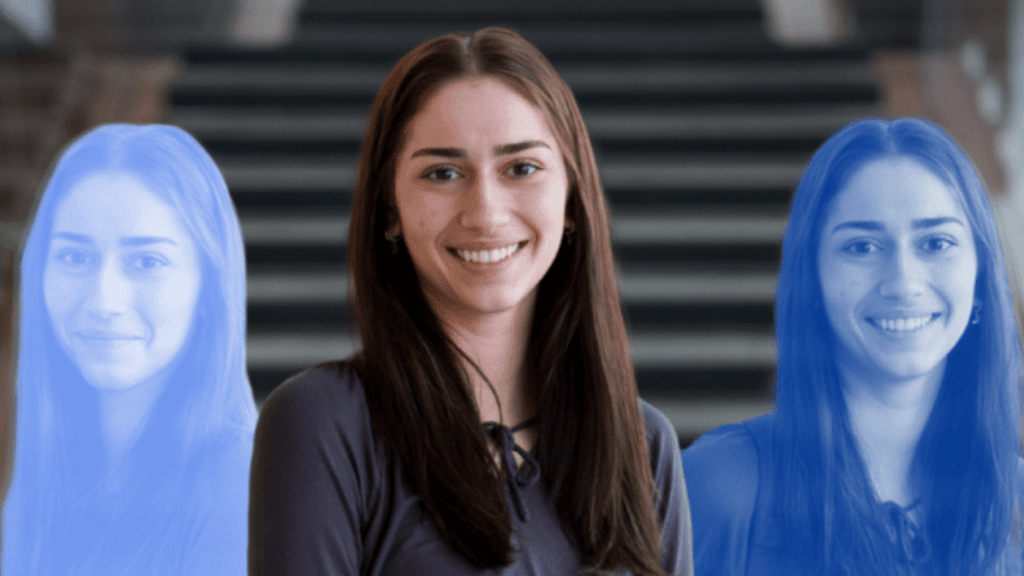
(480, 187)
(121, 281)
(897, 265)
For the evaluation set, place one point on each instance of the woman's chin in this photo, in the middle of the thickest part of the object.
(907, 366)
(112, 379)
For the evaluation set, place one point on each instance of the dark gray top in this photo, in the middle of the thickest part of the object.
(324, 498)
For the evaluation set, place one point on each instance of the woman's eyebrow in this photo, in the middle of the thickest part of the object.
(131, 242)
(442, 152)
(502, 150)
(136, 241)
(869, 225)
(505, 149)
(72, 237)
(933, 222)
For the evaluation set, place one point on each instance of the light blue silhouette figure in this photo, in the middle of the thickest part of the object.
(895, 444)
(134, 410)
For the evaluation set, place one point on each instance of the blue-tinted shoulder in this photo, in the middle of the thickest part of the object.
(722, 473)
(728, 436)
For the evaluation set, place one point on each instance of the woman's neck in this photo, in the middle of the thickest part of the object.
(122, 414)
(496, 342)
(887, 418)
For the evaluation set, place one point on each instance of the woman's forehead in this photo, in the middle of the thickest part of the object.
(477, 114)
(114, 204)
(893, 190)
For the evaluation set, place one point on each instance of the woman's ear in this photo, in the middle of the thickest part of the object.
(393, 231)
(392, 234)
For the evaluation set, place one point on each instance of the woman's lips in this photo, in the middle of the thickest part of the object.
(902, 324)
(105, 339)
(488, 256)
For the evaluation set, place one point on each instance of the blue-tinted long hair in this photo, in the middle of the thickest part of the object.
(208, 399)
(965, 464)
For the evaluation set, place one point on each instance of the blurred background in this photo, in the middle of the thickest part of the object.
(703, 115)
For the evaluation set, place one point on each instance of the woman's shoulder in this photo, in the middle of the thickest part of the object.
(663, 446)
(320, 418)
(329, 392)
(722, 468)
(730, 444)
(658, 427)
(331, 381)
(722, 480)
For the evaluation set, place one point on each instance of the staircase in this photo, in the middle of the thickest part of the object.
(700, 124)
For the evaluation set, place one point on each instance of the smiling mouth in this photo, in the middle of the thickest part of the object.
(898, 325)
(488, 256)
(105, 340)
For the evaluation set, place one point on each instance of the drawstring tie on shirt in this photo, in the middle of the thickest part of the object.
(516, 478)
(906, 535)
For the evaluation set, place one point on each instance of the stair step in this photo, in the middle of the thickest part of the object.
(649, 288)
(404, 11)
(639, 79)
(649, 350)
(373, 44)
(633, 39)
(226, 124)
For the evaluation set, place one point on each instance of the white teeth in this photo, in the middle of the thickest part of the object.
(488, 256)
(901, 324)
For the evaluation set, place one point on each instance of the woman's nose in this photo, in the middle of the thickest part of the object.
(109, 291)
(485, 204)
(904, 277)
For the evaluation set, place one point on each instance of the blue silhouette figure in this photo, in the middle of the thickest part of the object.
(135, 415)
(895, 444)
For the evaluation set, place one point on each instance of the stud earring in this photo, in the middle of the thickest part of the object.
(570, 227)
(976, 314)
(392, 237)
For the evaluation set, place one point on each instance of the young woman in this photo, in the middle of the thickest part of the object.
(895, 444)
(490, 423)
(135, 416)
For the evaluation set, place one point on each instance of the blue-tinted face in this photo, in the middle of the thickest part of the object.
(897, 265)
(121, 281)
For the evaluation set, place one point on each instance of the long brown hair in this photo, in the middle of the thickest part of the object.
(592, 450)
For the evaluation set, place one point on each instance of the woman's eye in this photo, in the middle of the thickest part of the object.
(442, 175)
(523, 169)
(938, 244)
(861, 248)
(149, 262)
(74, 258)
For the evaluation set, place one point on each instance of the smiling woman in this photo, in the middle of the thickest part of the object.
(135, 415)
(491, 422)
(895, 445)
(121, 282)
(898, 267)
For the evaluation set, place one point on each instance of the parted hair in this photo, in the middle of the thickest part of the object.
(965, 465)
(592, 447)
